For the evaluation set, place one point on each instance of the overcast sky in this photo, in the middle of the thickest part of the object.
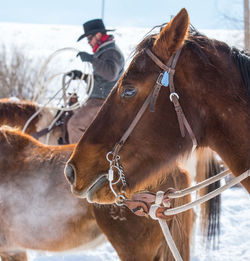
(204, 14)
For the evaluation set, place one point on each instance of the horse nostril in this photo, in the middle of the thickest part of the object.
(69, 173)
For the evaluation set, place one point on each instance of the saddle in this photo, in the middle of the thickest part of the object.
(61, 122)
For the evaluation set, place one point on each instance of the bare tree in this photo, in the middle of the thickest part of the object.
(18, 74)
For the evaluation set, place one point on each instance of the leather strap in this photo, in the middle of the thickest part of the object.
(157, 60)
(155, 94)
(132, 125)
(170, 67)
(141, 203)
(41, 133)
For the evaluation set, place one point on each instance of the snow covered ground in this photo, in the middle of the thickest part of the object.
(40, 41)
(234, 238)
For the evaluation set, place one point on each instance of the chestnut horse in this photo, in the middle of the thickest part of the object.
(17, 113)
(38, 210)
(206, 102)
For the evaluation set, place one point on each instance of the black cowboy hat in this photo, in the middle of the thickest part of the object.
(93, 27)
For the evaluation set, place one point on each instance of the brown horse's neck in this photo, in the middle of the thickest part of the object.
(215, 102)
(234, 149)
(230, 135)
(227, 131)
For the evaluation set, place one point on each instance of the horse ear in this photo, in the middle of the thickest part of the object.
(172, 36)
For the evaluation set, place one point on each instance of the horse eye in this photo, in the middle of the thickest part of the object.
(128, 92)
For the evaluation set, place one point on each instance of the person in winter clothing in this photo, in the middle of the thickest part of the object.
(108, 66)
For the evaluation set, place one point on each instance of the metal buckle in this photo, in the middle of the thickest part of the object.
(160, 76)
(173, 94)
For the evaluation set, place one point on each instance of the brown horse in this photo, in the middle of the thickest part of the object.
(38, 210)
(17, 113)
(208, 105)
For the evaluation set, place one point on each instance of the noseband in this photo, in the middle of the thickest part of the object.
(166, 79)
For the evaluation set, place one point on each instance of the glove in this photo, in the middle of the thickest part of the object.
(75, 74)
(85, 57)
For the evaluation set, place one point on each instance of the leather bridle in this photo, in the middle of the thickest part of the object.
(166, 79)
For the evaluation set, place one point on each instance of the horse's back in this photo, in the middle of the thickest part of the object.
(16, 113)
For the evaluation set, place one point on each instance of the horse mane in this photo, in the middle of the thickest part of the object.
(197, 42)
(147, 42)
(242, 60)
(194, 38)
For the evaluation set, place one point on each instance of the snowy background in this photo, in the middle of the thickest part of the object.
(39, 41)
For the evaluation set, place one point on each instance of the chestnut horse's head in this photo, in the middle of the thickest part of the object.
(144, 152)
(157, 138)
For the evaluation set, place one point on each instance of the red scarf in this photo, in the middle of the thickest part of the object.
(104, 39)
